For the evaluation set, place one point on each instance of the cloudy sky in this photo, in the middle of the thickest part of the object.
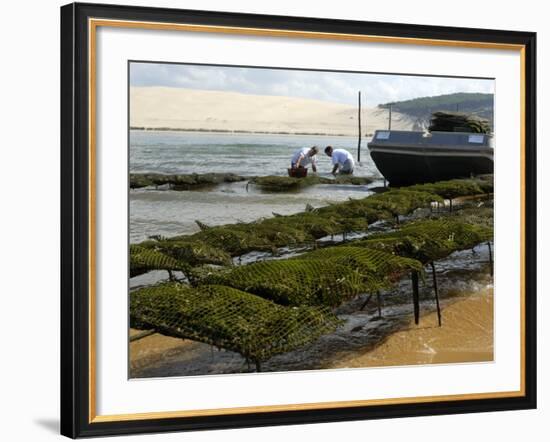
(328, 86)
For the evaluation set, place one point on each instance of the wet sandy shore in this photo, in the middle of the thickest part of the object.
(150, 349)
(466, 335)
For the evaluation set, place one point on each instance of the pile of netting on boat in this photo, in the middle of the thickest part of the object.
(458, 122)
(278, 305)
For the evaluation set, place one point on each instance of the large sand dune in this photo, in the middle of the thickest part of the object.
(189, 109)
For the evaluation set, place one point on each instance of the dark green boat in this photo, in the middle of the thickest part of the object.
(409, 157)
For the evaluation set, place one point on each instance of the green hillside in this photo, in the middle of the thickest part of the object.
(421, 109)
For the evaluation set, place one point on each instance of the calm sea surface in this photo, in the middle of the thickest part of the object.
(168, 213)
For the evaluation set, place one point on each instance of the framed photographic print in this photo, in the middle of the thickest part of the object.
(273, 220)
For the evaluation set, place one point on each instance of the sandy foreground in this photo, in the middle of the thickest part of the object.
(189, 109)
(153, 348)
(465, 336)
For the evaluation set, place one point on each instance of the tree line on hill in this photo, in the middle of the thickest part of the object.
(421, 109)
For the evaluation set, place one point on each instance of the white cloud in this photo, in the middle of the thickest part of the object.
(328, 86)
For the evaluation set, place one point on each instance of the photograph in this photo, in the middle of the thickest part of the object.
(284, 219)
(279, 220)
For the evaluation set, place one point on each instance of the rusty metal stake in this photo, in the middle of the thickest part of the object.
(366, 302)
(436, 294)
(416, 296)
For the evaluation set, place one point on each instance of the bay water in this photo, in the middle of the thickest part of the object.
(169, 213)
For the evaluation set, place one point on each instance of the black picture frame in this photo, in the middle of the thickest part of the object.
(75, 220)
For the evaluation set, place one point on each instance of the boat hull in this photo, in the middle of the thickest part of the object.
(406, 157)
(402, 169)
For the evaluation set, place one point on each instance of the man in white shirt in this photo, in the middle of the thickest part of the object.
(304, 157)
(341, 159)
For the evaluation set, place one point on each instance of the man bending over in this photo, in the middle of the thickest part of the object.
(304, 157)
(342, 161)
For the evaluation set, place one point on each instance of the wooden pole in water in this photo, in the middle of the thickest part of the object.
(416, 296)
(359, 127)
(436, 294)
(389, 119)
